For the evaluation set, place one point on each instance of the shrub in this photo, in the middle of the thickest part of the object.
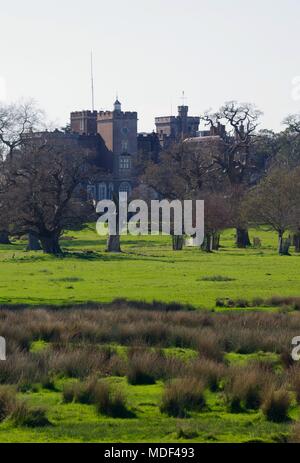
(33, 417)
(7, 401)
(181, 396)
(276, 406)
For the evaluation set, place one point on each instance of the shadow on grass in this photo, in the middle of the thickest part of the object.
(116, 304)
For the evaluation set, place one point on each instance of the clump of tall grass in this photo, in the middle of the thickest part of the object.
(276, 405)
(107, 400)
(7, 401)
(295, 434)
(182, 396)
(217, 278)
(33, 417)
(207, 371)
(111, 402)
(144, 366)
(246, 387)
(83, 393)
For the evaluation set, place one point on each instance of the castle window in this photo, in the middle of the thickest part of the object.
(102, 191)
(91, 192)
(125, 163)
(110, 190)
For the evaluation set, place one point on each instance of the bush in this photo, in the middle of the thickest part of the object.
(276, 406)
(7, 401)
(181, 396)
(33, 417)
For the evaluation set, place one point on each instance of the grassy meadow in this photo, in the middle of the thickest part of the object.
(146, 270)
(103, 351)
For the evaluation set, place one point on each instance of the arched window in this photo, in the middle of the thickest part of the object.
(110, 190)
(102, 191)
(125, 187)
(91, 192)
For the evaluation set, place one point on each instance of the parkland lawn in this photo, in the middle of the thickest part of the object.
(147, 269)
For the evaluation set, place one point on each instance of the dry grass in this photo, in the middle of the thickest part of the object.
(79, 341)
(7, 401)
(33, 417)
(246, 387)
(276, 405)
(182, 396)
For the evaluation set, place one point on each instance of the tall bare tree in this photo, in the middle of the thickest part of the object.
(181, 174)
(16, 121)
(275, 202)
(236, 124)
(46, 191)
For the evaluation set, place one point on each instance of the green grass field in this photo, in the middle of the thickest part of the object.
(80, 423)
(146, 270)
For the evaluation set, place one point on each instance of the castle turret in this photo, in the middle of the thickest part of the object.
(117, 105)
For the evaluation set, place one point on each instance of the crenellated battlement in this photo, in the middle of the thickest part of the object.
(108, 115)
(85, 113)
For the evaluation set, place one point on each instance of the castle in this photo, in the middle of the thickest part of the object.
(119, 132)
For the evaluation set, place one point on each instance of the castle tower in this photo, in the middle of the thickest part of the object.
(119, 131)
(183, 121)
(117, 105)
(84, 122)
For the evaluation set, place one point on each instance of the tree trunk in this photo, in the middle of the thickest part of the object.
(208, 242)
(297, 242)
(177, 242)
(242, 238)
(113, 243)
(4, 238)
(216, 241)
(283, 245)
(50, 244)
(33, 243)
(280, 243)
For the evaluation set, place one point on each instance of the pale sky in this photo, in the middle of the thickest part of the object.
(149, 51)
